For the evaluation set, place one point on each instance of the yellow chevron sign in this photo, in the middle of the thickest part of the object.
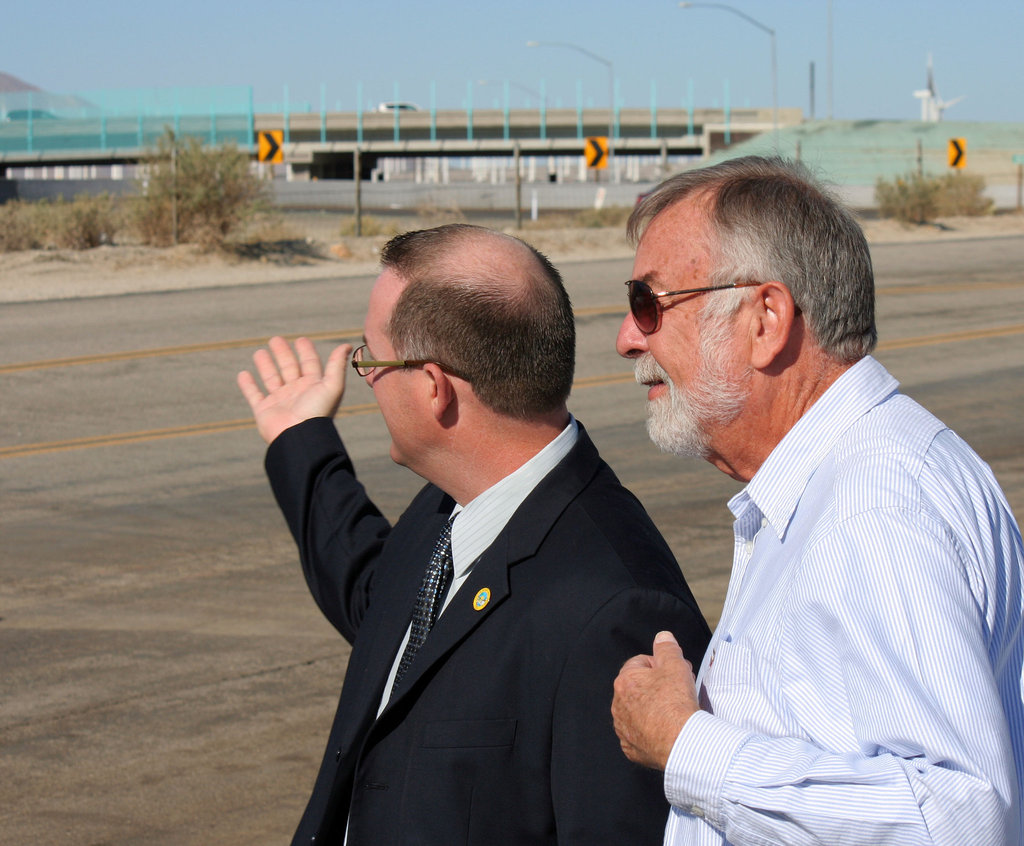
(269, 149)
(957, 152)
(596, 152)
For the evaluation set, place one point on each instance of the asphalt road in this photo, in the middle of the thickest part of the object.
(164, 676)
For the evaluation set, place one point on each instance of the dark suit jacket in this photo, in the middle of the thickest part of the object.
(501, 732)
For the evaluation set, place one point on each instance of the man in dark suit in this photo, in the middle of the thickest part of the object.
(497, 730)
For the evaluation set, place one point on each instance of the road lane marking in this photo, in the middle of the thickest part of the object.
(217, 346)
(188, 349)
(22, 450)
(356, 333)
(25, 450)
(951, 337)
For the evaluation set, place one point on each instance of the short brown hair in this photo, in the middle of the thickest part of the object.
(507, 328)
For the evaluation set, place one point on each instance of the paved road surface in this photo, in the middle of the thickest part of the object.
(164, 676)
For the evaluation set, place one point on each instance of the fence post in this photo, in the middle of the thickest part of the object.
(519, 185)
(357, 175)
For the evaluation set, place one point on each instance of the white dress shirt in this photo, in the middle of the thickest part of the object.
(864, 684)
(481, 521)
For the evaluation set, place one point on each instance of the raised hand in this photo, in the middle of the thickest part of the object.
(297, 386)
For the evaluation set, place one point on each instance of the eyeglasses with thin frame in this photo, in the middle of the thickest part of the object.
(646, 309)
(365, 366)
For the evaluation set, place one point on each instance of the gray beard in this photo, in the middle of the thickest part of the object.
(682, 423)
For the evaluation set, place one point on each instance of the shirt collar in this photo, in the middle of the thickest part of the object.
(483, 518)
(778, 484)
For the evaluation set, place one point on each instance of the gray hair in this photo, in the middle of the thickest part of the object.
(773, 221)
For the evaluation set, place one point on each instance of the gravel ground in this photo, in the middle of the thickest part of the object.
(309, 246)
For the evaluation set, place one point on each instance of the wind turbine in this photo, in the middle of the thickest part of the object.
(932, 106)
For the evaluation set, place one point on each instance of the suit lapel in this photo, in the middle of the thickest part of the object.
(394, 593)
(519, 540)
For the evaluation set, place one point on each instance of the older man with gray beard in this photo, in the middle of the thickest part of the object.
(864, 684)
(680, 426)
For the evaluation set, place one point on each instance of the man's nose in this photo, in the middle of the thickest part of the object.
(630, 342)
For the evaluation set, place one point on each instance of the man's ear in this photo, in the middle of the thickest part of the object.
(442, 392)
(773, 328)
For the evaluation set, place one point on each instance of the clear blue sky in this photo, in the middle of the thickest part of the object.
(878, 57)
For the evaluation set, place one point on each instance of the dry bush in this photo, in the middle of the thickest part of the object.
(915, 198)
(270, 227)
(908, 199)
(614, 217)
(551, 220)
(196, 194)
(963, 194)
(371, 227)
(84, 223)
(429, 215)
(18, 228)
(611, 216)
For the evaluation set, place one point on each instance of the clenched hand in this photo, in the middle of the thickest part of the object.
(654, 696)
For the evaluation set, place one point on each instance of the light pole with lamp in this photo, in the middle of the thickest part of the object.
(775, 70)
(528, 91)
(611, 76)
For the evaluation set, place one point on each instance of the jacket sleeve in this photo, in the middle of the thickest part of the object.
(339, 531)
(600, 797)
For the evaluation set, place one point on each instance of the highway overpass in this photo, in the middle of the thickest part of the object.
(323, 145)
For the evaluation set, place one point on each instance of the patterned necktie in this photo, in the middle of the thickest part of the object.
(428, 600)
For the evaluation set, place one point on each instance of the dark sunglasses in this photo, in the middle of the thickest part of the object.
(646, 310)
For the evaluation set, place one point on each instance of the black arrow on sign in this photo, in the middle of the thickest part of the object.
(595, 154)
(955, 160)
(270, 147)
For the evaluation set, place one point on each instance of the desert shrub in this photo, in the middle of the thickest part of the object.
(83, 223)
(915, 198)
(910, 199)
(371, 227)
(18, 228)
(963, 194)
(615, 216)
(196, 194)
(80, 224)
(552, 220)
(269, 227)
(430, 214)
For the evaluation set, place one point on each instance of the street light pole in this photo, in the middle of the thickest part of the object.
(541, 99)
(611, 76)
(775, 68)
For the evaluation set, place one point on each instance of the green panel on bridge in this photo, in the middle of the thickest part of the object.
(111, 119)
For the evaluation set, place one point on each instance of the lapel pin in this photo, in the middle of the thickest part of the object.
(483, 596)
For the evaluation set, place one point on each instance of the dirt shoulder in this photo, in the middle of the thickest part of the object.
(314, 253)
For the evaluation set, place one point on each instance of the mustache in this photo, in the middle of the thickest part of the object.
(646, 369)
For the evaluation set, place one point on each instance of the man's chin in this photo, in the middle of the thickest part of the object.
(670, 438)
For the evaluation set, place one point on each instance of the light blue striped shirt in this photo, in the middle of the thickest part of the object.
(864, 684)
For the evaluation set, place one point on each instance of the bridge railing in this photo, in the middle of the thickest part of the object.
(38, 121)
(134, 119)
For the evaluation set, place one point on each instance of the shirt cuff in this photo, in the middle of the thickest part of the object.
(698, 763)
